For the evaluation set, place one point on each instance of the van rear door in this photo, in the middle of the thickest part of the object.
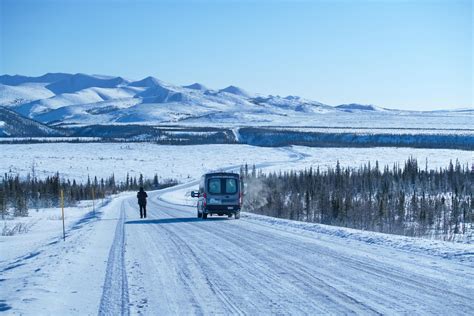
(223, 190)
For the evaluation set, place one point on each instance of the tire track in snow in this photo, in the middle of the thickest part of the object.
(306, 284)
(228, 254)
(363, 297)
(186, 251)
(199, 273)
(115, 300)
(369, 300)
(386, 272)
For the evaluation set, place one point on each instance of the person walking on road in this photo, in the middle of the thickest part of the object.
(141, 196)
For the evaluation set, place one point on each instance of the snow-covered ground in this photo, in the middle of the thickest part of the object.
(173, 263)
(355, 157)
(43, 275)
(73, 160)
(102, 159)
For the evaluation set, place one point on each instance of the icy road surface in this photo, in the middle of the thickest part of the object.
(179, 264)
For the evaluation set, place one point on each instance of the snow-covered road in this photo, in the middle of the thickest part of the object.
(179, 264)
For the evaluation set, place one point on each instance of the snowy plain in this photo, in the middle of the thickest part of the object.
(78, 160)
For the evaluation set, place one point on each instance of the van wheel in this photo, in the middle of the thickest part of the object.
(237, 215)
(204, 215)
(199, 214)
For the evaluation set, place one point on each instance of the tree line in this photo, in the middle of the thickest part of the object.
(20, 194)
(272, 137)
(405, 200)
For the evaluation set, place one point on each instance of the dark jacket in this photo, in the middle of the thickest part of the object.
(141, 195)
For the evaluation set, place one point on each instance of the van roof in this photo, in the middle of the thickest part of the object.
(217, 174)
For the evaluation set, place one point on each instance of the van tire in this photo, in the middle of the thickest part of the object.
(237, 215)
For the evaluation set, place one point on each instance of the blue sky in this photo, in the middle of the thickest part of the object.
(398, 54)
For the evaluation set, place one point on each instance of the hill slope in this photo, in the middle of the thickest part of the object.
(14, 125)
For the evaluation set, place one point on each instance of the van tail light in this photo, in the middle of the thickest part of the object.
(241, 199)
(204, 201)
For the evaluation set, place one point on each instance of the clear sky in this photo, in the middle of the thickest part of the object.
(398, 54)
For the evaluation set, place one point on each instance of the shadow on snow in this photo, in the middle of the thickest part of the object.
(175, 220)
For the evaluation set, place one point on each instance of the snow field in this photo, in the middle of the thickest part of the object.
(77, 161)
(44, 274)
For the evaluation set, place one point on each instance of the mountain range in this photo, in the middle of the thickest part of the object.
(62, 99)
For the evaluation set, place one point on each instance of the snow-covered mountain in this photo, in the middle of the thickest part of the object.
(14, 125)
(80, 99)
(92, 99)
(46, 78)
(79, 82)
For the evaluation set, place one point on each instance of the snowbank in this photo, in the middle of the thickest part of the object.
(449, 250)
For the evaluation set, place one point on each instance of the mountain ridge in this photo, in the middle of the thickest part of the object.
(13, 124)
(62, 98)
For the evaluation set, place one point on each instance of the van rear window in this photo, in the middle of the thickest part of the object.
(215, 186)
(230, 186)
(222, 186)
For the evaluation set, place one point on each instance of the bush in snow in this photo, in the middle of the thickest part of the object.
(18, 228)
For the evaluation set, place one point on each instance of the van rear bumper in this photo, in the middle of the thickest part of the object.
(221, 209)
